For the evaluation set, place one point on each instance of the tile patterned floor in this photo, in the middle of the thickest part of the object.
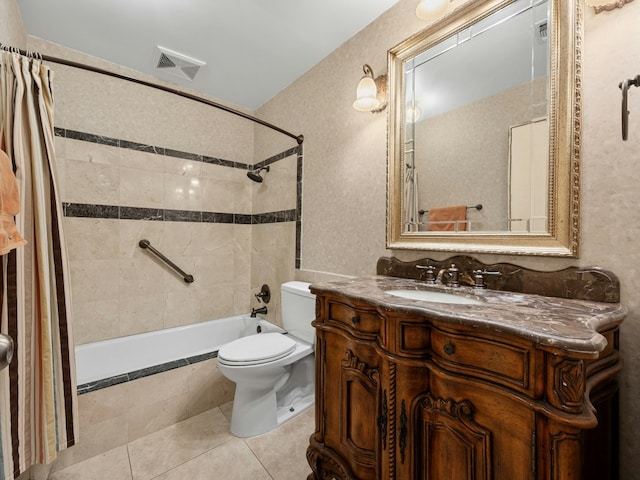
(202, 448)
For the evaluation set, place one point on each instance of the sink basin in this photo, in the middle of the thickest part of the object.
(437, 297)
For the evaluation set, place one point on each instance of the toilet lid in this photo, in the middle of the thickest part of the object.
(262, 347)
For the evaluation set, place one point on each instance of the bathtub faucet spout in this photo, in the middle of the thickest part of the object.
(255, 311)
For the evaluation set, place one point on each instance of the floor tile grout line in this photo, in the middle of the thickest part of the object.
(231, 439)
(129, 459)
(258, 459)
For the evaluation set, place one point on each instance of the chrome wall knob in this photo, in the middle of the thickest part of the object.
(6, 350)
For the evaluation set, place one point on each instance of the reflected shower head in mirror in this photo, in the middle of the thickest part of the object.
(255, 174)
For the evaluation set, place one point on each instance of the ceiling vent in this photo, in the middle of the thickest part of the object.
(177, 64)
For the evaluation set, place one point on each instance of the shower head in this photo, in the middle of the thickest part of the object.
(255, 174)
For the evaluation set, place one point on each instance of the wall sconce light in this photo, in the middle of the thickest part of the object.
(606, 5)
(431, 9)
(371, 93)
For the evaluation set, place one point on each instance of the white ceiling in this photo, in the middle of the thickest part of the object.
(253, 49)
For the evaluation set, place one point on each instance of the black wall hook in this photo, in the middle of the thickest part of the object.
(624, 86)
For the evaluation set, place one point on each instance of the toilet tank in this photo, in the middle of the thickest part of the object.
(298, 310)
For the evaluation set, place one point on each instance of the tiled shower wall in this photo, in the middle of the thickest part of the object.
(138, 163)
(196, 210)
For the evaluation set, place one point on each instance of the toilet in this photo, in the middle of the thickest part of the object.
(274, 373)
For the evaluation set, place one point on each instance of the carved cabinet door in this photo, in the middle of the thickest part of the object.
(464, 431)
(355, 410)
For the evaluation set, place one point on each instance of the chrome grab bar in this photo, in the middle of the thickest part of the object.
(147, 245)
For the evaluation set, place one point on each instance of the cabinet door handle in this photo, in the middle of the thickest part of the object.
(449, 349)
(355, 319)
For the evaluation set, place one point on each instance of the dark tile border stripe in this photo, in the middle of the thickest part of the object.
(84, 210)
(141, 147)
(145, 372)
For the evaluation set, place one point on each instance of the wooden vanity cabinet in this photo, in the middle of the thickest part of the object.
(408, 397)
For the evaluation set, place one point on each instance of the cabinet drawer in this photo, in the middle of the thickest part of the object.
(504, 363)
(357, 320)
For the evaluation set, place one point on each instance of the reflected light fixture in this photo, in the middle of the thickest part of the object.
(606, 5)
(431, 9)
(412, 113)
(370, 91)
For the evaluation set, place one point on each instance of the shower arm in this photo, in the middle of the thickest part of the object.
(147, 245)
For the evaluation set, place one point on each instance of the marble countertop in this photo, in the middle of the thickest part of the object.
(565, 324)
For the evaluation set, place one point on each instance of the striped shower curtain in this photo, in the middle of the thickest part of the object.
(38, 401)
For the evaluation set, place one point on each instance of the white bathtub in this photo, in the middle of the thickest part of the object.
(120, 356)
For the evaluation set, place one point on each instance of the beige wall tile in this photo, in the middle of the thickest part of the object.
(93, 280)
(145, 419)
(278, 191)
(93, 153)
(141, 313)
(92, 238)
(212, 171)
(142, 188)
(272, 262)
(105, 404)
(182, 305)
(132, 231)
(182, 192)
(92, 183)
(95, 320)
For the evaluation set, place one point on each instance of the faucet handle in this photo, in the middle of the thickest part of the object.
(454, 276)
(431, 272)
(264, 295)
(478, 277)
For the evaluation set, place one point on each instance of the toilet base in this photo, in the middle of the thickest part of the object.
(258, 411)
(287, 412)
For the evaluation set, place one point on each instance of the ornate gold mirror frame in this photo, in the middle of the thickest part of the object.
(564, 120)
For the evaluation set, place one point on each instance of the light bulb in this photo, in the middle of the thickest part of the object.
(431, 9)
(366, 95)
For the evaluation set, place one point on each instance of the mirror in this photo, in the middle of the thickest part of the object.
(484, 131)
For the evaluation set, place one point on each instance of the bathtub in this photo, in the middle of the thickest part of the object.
(121, 359)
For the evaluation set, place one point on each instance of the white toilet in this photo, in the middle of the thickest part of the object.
(274, 373)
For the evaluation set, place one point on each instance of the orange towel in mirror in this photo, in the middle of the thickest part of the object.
(448, 219)
(10, 238)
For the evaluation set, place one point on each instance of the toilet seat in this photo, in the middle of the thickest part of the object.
(256, 349)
